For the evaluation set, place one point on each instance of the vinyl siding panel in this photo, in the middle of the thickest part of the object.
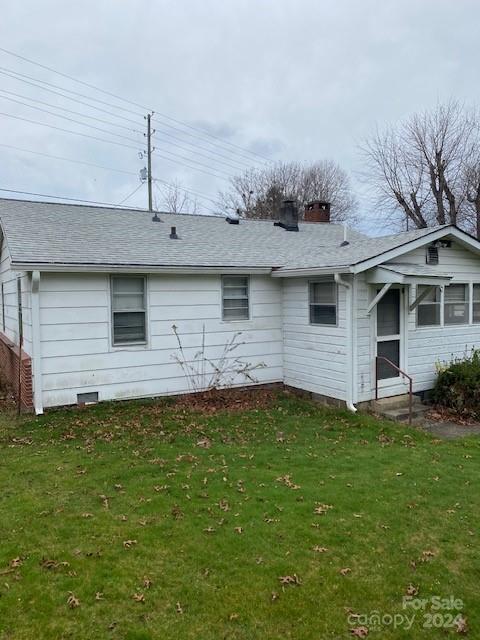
(314, 356)
(76, 347)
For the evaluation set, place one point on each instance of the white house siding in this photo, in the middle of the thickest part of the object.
(77, 354)
(314, 356)
(8, 278)
(427, 346)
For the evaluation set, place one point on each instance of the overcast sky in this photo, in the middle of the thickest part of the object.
(287, 79)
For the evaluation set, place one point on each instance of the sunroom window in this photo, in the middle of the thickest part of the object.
(128, 310)
(456, 304)
(428, 311)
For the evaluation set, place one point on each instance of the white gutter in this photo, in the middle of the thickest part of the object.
(36, 344)
(311, 271)
(350, 316)
(136, 268)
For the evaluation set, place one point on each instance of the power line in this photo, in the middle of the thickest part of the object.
(77, 133)
(49, 195)
(130, 194)
(225, 176)
(59, 115)
(203, 205)
(37, 85)
(92, 106)
(199, 194)
(77, 113)
(164, 133)
(75, 93)
(120, 144)
(118, 97)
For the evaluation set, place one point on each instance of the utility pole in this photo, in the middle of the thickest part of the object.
(149, 161)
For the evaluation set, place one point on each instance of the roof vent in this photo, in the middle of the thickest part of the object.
(156, 218)
(432, 254)
(233, 218)
(173, 233)
(288, 216)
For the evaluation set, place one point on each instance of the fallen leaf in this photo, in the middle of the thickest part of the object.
(178, 607)
(99, 595)
(204, 443)
(460, 623)
(287, 481)
(411, 590)
(290, 580)
(321, 509)
(359, 632)
(15, 563)
(72, 600)
(238, 529)
(318, 549)
(345, 571)
(147, 582)
(129, 543)
(139, 597)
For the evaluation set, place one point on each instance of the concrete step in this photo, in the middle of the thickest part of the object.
(395, 402)
(401, 414)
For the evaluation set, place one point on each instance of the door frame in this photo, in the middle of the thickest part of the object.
(397, 385)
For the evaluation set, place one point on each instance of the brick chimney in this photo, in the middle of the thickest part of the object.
(317, 211)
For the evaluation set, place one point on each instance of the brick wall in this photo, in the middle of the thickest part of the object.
(9, 371)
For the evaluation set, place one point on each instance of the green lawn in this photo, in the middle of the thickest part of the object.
(159, 522)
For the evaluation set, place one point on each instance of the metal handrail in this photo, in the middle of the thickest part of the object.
(402, 373)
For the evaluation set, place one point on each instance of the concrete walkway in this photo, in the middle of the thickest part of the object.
(450, 430)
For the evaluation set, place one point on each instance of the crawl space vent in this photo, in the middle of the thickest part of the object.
(87, 398)
(432, 255)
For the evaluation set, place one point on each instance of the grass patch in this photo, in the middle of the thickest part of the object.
(163, 522)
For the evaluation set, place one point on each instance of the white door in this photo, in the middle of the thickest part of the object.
(389, 324)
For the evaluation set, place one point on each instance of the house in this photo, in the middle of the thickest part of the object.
(94, 292)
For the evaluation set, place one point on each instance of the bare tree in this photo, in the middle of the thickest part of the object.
(175, 199)
(258, 192)
(426, 168)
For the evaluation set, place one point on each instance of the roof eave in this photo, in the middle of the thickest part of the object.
(466, 239)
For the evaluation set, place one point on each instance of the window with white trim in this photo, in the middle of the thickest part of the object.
(235, 298)
(323, 302)
(456, 305)
(476, 302)
(428, 311)
(128, 310)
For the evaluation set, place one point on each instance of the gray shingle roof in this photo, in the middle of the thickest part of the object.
(51, 233)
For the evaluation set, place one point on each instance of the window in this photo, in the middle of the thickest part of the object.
(428, 311)
(235, 304)
(476, 302)
(128, 310)
(456, 304)
(323, 302)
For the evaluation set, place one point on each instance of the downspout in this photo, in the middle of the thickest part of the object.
(36, 344)
(349, 321)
